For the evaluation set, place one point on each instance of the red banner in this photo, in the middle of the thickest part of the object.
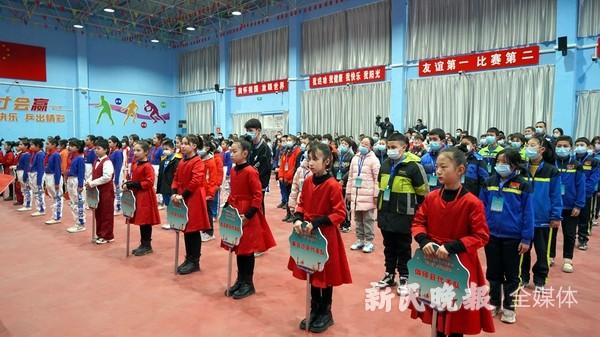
(261, 88)
(363, 75)
(5, 181)
(517, 57)
(598, 48)
(23, 62)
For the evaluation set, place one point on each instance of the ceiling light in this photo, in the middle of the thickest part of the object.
(154, 41)
(109, 10)
(78, 26)
(191, 29)
(236, 12)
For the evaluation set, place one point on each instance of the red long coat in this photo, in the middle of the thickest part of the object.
(7, 161)
(212, 177)
(325, 199)
(189, 176)
(462, 219)
(246, 192)
(146, 205)
(219, 165)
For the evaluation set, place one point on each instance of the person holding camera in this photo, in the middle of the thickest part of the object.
(386, 127)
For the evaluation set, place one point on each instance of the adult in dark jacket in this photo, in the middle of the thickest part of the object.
(387, 128)
(260, 154)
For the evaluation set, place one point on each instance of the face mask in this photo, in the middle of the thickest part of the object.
(457, 134)
(482, 142)
(434, 146)
(449, 143)
(303, 147)
(563, 152)
(531, 153)
(489, 140)
(251, 134)
(363, 150)
(343, 149)
(380, 147)
(556, 135)
(202, 153)
(501, 142)
(325, 141)
(590, 151)
(167, 152)
(290, 144)
(597, 147)
(469, 148)
(393, 154)
(375, 138)
(581, 150)
(539, 131)
(503, 170)
(515, 145)
(527, 136)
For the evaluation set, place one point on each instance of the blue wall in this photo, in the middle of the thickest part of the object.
(85, 68)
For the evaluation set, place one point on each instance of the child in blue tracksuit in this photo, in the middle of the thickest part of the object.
(508, 201)
(547, 203)
(23, 173)
(116, 156)
(53, 180)
(75, 182)
(591, 169)
(36, 176)
(573, 196)
(429, 160)
(476, 173)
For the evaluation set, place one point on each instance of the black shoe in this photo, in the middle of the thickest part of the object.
(16, 203)
(323, 321)
(233, 288)
(282, 205)
(143, 250)
(290, 219)
(314, 310)
(286, 218)
(245, 290)
(188, 267)
(134, 251)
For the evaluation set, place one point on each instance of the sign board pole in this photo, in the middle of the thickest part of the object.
(176, 251)
(308, 299)
(128, 237)
(15, 182)
(93, 225)
(434, 320)
(229, 266)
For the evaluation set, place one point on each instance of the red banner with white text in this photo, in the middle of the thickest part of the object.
(355, 76)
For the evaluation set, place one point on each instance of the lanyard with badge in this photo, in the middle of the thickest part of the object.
(562, 184)
(358, 179)
(432, 178)
(387, 191)
(498, 200)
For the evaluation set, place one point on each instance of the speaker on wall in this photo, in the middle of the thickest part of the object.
(562, 45)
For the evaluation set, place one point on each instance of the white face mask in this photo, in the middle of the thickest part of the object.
(167, 152)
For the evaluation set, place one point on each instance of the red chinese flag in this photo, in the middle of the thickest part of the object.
(598, 48)
(23, 62)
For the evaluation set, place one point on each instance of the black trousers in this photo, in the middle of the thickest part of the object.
(322, 296)
(540, 268)
(145, 233)
(503, 268)
(193, 246)
(245, 264)
(583, 229)
(397, 252)
(569, 230)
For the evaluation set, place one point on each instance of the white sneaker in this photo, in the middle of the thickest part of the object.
(259, 254)
(496, 311)
(52, 222)
(76, 229)
(36, 214)
(368, 247)
(101, 241)
(568, 266)
(402, 289)
(166, 226)
(357, 245)
(508, 316)
(24, 209)
(205, 237)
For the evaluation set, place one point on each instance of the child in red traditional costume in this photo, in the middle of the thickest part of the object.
(102, 178)
(246, 197)
(188, 185)
(322, 206)
(146, 205)
(454, 219)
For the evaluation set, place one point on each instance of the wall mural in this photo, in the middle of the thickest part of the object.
(146, 112)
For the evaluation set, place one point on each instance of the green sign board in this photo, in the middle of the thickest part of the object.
(177, 215)
(128, 204)
(433, 272)
(230, 226)
(309, 251)
(92, 196)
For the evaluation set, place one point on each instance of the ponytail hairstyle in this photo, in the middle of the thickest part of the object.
(549, 155)
(53, 141)
(63, 143)
(456, 155)
(144, 145)
(324, 149)
(194, 139)
(38, 142)
(116, 140)
(79, 144)
(512, 156)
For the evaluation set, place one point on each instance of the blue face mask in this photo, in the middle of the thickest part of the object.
(394, 154)
(343, 149)
(303, 147)
(503, 170)
(563, 152)
(251, 134)
(380, 147)
(581, 150)
(490, 140)
(363, 150)
(515, 145)
(434, 146)
(531, 153)
(202, 153)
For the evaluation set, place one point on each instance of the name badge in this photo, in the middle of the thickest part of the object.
(386, 194)
(338, 176)
(562, 189)
(462, 179)
(489, 167)
(286, 167)
(433, 180)
(497, 204)
(358, 182)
